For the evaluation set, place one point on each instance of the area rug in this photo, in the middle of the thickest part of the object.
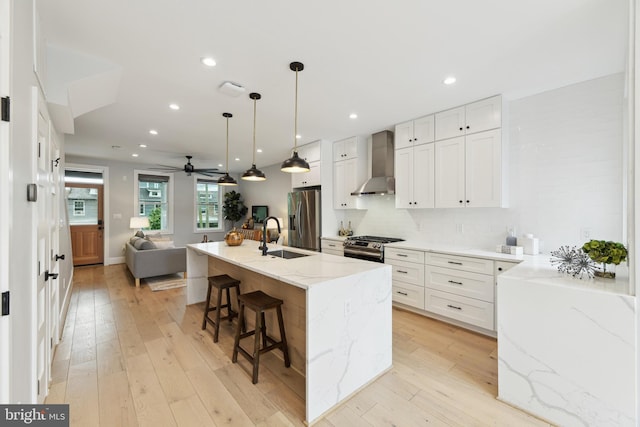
(162, 283)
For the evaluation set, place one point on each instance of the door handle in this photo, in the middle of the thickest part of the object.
(99, 222)
(59, 257)
(48, 275)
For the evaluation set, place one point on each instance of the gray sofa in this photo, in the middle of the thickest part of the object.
(146, 261)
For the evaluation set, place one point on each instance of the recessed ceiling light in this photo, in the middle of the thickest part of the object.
(142, 145)
(237, 159)
(174, 106)
(298, 137)
(208, 61)
(449, 80)
(259, 150)
(134, 155)
(353, 116)
(153, 132)
(220, 165)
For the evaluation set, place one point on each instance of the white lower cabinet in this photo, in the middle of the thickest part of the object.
(468, 310)
(455, 288)
(407, 275)
(332, 247)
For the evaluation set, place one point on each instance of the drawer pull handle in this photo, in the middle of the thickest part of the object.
(403, 293)
(332, 246)
(403, 255)
(455, 283)
(403, 272)
(454, 262)
(453, 306)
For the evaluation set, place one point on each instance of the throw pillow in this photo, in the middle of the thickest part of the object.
(142, 244)
(162, 244)
(139, 233)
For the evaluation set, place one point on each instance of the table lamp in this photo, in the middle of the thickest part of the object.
(139, 222)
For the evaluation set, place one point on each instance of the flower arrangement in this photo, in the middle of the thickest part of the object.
(605, 252)
(574, 261)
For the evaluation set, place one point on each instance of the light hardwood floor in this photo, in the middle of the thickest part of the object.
(134, 357)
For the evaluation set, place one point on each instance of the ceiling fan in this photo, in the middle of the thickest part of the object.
(189, 169)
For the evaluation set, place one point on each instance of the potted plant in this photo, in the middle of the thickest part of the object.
(234, 210)
(605, 253)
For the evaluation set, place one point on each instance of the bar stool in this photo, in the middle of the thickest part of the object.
(222, 282)
(259, 302)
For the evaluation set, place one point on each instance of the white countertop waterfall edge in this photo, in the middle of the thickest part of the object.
(348, 314)
(566, 347)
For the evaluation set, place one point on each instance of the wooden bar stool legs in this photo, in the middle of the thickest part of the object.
(222, 283)
(259, 302)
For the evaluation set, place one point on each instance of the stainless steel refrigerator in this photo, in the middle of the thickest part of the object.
(304, 219)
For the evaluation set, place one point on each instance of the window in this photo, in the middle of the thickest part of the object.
(154, 192)
(78, 208)
(207, 201)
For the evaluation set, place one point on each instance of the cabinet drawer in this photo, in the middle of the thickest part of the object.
(407, 272)
(408, 294)
(474, 265)
(469, 310)
(333, 245)
(404, 255)
(473, 285)
(333, 252)
(502, 266)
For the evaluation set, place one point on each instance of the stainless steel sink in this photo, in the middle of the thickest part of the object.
(286, 254)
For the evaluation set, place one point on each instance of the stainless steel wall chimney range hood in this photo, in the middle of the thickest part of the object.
(382, 180)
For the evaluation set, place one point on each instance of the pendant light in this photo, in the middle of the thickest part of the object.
(254, 174)
(227, 179)
(295, 164)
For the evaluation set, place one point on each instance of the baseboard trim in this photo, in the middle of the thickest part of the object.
(115, 260)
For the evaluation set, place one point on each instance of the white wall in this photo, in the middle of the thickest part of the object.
(564, 174)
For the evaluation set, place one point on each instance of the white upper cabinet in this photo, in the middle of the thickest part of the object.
(415, 173)
(472, 118)
(349, 171)
(311, 154)
(346, 149)
(468, 171)
(414, 132)
(307, 179)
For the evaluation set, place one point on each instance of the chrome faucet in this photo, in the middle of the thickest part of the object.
(264, 247)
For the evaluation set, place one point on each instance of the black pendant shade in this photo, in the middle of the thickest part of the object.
(227, 179)
(295, 164)
(254, 174)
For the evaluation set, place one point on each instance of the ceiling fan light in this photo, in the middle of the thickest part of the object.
(227, 180)
(254, 174)
(295, 164)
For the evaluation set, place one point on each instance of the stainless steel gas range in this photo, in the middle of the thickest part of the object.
(370, 248)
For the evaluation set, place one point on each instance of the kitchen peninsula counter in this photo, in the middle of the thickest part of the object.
(566, 346)
(337, 312)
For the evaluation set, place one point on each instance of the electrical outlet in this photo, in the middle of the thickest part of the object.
(585, 233)
(460, 228)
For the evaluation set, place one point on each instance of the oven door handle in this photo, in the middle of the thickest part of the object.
(348, 252)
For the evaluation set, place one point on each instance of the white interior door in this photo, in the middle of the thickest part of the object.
(43, 340)
(5, 201)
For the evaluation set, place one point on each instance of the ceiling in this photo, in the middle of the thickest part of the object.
(384, 61)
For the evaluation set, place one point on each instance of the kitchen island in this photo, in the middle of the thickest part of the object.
(337, 312)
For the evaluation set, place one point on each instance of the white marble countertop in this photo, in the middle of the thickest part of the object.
(303, 272)
(539, 270)
(457, 250)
